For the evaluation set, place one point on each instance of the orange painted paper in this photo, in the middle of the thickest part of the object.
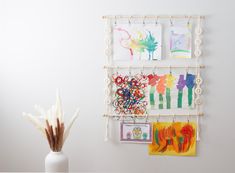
(173, 138)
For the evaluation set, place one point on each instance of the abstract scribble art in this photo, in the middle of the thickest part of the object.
(173, 138)
(129, 94)
(137, 42)
(180, 42)
(136, 132)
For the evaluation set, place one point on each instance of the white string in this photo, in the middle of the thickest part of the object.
(198, 128)
(198, 75)
(107, 130)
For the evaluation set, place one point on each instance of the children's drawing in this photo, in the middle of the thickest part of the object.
(180, 41)
(136, 132)
(169, 85)
(173, 138)
(190, 83)
(129, 94)
(137, 42)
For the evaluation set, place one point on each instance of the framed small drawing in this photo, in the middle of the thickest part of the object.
(136, 132)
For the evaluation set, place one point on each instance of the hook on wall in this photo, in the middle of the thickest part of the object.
(188, 117)
(115, 20)
(156, 21)
(173, 120)
(144, 20)
(129, 68)
(189, 18)
(171, 22)
(129, 20)
(146, 118)
(158, 118)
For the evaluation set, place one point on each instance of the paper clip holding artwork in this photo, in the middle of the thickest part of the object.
(129, 96)
(180, 42)
(136, 132)
(173, 138)
(137, 42)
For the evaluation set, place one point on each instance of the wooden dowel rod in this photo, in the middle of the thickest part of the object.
(152, 115)
(152, 66)
(154, 17)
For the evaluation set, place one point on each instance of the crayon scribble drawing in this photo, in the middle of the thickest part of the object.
(180, 42)
(137, 42)
(173, 138)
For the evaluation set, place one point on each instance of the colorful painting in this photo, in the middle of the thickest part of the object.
(180, 42)
(130, 94)
(137, 42)
(173, 138)
(136, 132)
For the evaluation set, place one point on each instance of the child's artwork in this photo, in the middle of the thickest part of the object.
(129, 94)
(137, 42)
(180, 42)
(136, 132)
(173, 138)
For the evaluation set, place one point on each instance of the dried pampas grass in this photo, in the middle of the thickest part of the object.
(51, 124)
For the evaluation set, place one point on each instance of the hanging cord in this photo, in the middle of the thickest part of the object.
(109, 74)
(106, 130)
(198, 85)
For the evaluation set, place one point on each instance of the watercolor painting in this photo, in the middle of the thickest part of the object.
(180, 42)
(137, 42)
(173, 138)
(129, 94)
(136, 132)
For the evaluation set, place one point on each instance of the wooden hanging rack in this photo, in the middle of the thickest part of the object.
(153, 17)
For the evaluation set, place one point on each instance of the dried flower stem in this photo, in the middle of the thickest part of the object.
(55, 137)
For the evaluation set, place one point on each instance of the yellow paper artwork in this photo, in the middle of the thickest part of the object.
(173, 138)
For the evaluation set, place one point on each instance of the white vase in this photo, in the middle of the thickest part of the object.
(56, 162)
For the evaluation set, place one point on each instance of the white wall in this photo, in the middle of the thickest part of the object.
(49, 44)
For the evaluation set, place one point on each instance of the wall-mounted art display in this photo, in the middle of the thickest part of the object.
(154, 71)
